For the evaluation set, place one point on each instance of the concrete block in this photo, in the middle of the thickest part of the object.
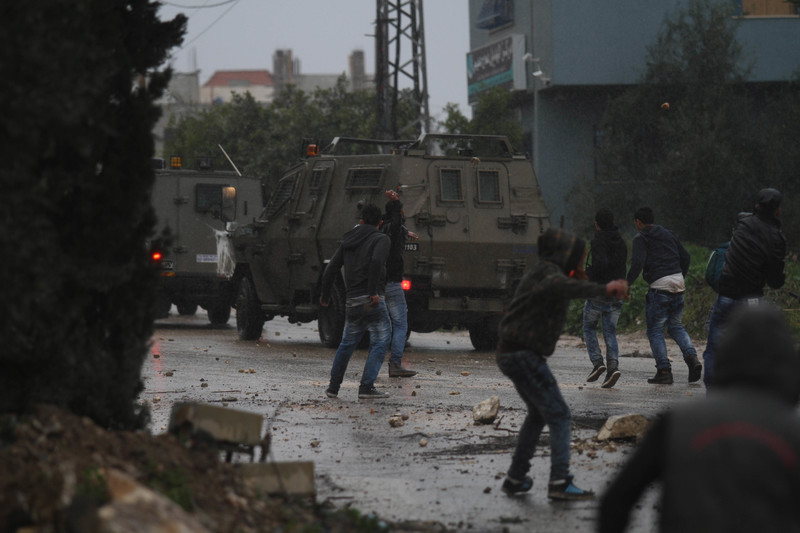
(220, 423)
(295, 478)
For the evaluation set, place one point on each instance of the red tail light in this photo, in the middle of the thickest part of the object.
(406, 284)
(156, 256)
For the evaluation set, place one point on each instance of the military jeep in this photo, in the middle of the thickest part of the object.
(475, 204)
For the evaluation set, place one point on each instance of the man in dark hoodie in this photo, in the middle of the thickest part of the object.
(662, 260)
(363, 254)
(528, 335)
(608, 256)
(730, 462)
(756, 257)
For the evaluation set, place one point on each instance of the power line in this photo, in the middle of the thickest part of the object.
(233, 4)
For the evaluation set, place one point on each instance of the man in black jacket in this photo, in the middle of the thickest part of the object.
(363, 254)
(729, 462)
(393, 226)
(608, 257)
(755, 257)
(664, 262)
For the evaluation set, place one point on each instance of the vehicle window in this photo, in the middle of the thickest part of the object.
(488, 186)
(364, 178)
(280, 196)
(316, 178)
(450, 181)
(207, 198)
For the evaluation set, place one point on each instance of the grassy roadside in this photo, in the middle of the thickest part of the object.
(698, 302)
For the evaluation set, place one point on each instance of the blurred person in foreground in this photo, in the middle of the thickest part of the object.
(729, 462)
(528, 335)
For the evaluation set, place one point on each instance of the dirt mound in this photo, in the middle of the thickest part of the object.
(51, 477)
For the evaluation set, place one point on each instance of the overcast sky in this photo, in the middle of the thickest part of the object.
(243, 34)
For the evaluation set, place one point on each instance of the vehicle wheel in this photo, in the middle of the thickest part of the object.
(249, 317)
(483, 335)
(219, 313)
(163, 305)
(185, 308)
(331, 319)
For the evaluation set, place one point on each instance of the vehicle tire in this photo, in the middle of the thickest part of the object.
(249, 316)
(330, 321)
(483, 335)
(187, 309)
(219, 313)
(163, 305)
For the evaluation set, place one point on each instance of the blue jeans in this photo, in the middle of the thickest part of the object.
(398, 313)
(666, 309)
(593, 310)
(359, 319)
(538, 389)
(719, 314)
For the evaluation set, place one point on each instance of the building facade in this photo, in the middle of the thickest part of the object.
(563, 56)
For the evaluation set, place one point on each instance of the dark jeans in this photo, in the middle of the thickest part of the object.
(719, 314)
(538, 389)
(359, 319)
(666, 310)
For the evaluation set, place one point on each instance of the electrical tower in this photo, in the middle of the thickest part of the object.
(400, 58)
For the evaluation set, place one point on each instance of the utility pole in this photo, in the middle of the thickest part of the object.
(400, 56)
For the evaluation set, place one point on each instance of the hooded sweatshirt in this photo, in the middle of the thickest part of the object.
(363, 254)
(538, 311)
(730, 462)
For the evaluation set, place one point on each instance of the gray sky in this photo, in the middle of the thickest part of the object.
(243, 34)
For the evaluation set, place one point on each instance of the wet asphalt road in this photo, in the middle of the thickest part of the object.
(437, 467)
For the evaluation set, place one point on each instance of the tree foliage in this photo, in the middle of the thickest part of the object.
(691, 139)
(76, 119)
(493, 114)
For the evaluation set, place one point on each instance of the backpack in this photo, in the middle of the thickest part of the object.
(714, 266)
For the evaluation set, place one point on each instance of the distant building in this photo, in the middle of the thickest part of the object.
(223, 84)
(286, 71)
(184, 95)
(563, 57)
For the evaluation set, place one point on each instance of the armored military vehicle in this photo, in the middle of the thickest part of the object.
(197, 207)
(475, 204)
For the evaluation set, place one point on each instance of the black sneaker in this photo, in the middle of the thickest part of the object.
(596, 372)
(513, 486)
(663, 377)
(330, 392)
(371, 394)
(397, 371)
(565, 489)
(695, 369)
(611, 379)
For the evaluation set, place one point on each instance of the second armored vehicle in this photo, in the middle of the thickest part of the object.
(475, 204)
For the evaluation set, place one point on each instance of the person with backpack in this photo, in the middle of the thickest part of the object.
(756, 257)
(608, 256)
(659, 256)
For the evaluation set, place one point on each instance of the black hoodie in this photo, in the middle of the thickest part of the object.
(730, 462)
(363, 254)
(538, 312)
